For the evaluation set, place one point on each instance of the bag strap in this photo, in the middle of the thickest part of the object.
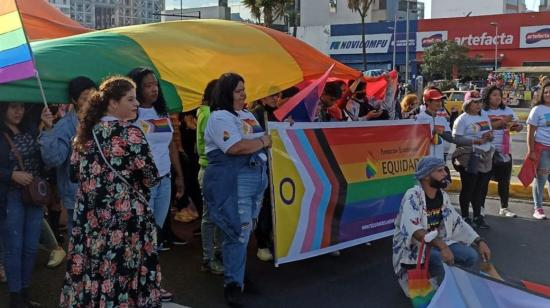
(140, 195)
(15, 152)
(421, 253)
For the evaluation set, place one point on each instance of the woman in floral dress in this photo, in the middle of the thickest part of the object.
(113, 259)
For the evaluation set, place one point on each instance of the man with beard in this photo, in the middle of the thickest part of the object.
(426, 208)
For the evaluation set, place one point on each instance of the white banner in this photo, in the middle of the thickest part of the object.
(534, 36)
(461, 289)
(352, 44)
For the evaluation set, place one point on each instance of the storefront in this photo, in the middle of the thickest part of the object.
(520, 40)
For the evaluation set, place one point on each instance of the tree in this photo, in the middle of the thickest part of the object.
(362, 7)
(444, 58)
(270, 10)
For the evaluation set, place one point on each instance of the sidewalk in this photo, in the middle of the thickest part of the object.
(517, 191)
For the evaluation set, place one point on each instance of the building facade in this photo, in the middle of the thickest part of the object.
(544, 5)
(334, 12)
(463, 8)
(520, 40)
(103, 14)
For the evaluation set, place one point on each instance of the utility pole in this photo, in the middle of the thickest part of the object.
(407, 48)
(495, 24)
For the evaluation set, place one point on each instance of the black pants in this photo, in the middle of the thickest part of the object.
(474, 191)
(264, 227)
(502, 173)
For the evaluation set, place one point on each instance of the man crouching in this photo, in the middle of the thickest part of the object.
(426, 208)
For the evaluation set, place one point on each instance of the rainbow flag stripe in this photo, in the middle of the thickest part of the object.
(484, 126)
(15, 54)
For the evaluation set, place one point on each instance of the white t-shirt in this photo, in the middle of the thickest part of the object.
(540, 117)
(498, 134)
(224, 129)
(158, 131)
(438, 125)
(473, 126)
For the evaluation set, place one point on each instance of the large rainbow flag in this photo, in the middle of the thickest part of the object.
(16, 61)
(340, 184)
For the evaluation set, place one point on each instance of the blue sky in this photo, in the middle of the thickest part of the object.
(236, 5)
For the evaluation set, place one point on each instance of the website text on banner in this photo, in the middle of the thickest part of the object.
(336, 185)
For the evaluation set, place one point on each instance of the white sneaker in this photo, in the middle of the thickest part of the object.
(539, 213)
(264, 254)
(482, 211)
(56, 257)
(505, 212)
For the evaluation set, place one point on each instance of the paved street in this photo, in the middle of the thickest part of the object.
(361, 277)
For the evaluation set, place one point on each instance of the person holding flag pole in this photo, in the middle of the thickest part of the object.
(20, 221)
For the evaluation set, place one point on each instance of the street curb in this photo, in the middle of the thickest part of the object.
(517, 191)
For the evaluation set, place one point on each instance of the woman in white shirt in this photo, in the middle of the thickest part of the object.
(155, 123)
(538, 137)
(503, 120)
(235, 178)
(473, 162)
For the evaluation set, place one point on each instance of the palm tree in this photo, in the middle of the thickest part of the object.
(362, 7)
(271, 10)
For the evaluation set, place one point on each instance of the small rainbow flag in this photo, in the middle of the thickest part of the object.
(16, 60)
(484, 126)
(370, 168)
(161, 125)
(436, 139)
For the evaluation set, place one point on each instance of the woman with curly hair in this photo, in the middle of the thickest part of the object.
(409, 106)
(113, 259)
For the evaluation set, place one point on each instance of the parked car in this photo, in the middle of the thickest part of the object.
(455, 99)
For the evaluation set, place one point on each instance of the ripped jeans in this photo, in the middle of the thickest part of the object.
(252, 182)
(543, 176)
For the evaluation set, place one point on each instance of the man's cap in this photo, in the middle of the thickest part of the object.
(433, 94)
(427, 165)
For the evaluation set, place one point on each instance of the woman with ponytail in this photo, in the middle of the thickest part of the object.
(112, 258)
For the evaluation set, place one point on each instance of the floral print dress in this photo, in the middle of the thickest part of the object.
(113, 259)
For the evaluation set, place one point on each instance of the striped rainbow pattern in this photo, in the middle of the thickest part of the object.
(421, 292)
(344, 198)
(15, 53)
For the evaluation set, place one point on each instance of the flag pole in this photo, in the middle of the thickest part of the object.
(36, 75)
(271, 189)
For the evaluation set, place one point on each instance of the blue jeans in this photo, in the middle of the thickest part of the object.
(159, 201)
(210, 233)
(543, 176)
(21, 234)
(464, 255)
(251, 182)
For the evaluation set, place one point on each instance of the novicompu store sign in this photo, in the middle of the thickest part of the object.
(353, 44)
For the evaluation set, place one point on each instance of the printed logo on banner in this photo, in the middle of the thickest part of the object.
(426, 39)
(535, 36)
(429, 41)
(352, 44)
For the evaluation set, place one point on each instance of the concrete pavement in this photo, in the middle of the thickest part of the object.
(361, 277)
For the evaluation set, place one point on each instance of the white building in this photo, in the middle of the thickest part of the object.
(462, 8)
(103, 14)
(544, 5)
(63, 5)
(334, 12)
(210, 12)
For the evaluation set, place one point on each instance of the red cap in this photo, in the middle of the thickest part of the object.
(433, 94)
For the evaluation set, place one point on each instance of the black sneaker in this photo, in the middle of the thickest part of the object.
(468, 221)
(479, 223)
(233, 295)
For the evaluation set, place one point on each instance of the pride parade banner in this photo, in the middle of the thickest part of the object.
(336, 185)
